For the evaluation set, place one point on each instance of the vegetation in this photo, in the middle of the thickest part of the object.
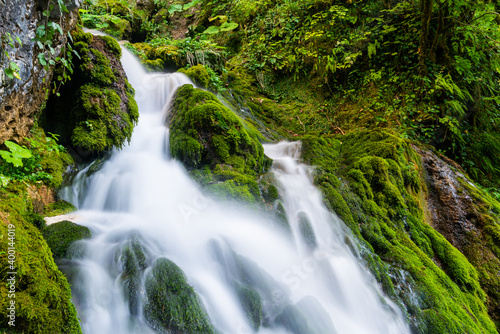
(223, 150)
(43, 296)
(172, 304)
(60, 236)
(44, 161)
(365, 85)
(97, 110)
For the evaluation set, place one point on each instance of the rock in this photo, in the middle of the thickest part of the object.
(21, 99)
(60, 236)
(306, 230)
(468, 219)
(96, 110)
(252, 305)
(172, 305)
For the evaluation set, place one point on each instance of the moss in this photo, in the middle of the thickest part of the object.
(172, 304)
(97, 110)
(60, 207)
(372, 178)
(43, 297)
(113, 46)
(60, 236)
(198, 74)
(168, 54)
(222, 136)
(252, 305)
(208, 137)
(134, 258)
(35, 219)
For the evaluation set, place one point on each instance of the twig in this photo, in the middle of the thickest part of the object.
(301, 123)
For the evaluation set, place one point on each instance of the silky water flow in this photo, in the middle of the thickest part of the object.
(307, 277)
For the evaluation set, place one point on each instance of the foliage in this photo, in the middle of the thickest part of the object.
(44, 161)
(45, 36)
(12, 70)
(435, 81)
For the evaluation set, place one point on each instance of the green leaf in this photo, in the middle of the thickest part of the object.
(174, 8)
(9, 72)
(4, 180)
(19, 40)
(17, 150)
(191, 4)
(14, 66)
(212, 30)
(228, 26)
(41, 58)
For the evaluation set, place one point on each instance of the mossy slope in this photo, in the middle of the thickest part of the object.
(373, 180)
(43, 296)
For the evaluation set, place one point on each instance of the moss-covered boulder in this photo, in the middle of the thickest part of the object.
(172, 305)
(42, 294)
(222, 150)
(60, 236)
(374, 180)
(198, 74)
(252, 305)
(96, 111)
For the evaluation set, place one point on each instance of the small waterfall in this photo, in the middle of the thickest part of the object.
(141, 205)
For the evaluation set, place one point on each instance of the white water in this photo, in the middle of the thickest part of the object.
(141, 193)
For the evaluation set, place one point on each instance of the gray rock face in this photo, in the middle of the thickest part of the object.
(21, 98)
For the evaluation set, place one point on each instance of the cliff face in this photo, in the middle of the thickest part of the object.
(468, 218)
(21, 98)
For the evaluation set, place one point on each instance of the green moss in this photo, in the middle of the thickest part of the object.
(172, 304)
(198, 74)
(371, 178)
(222, 137)
(97, 110)
(113, 46)
(60, 207)
(43, 297)
(252, 305)
(60, 236)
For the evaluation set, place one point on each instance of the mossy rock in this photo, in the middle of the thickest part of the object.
(60, 236)
(252, 305)
(172, 305)
(205, 132)
(222, 151)
(96, 111)
(198, 74)
(43, 297)
(135, 259)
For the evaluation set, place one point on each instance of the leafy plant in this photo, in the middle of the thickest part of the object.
(12, 70)
(44, 37)
(16, 155)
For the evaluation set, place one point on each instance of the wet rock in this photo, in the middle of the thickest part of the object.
(21, 98)
(60, 236)
(172, 305)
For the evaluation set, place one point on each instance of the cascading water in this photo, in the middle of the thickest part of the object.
(143, 202)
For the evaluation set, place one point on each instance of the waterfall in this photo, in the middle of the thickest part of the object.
(142, 202)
